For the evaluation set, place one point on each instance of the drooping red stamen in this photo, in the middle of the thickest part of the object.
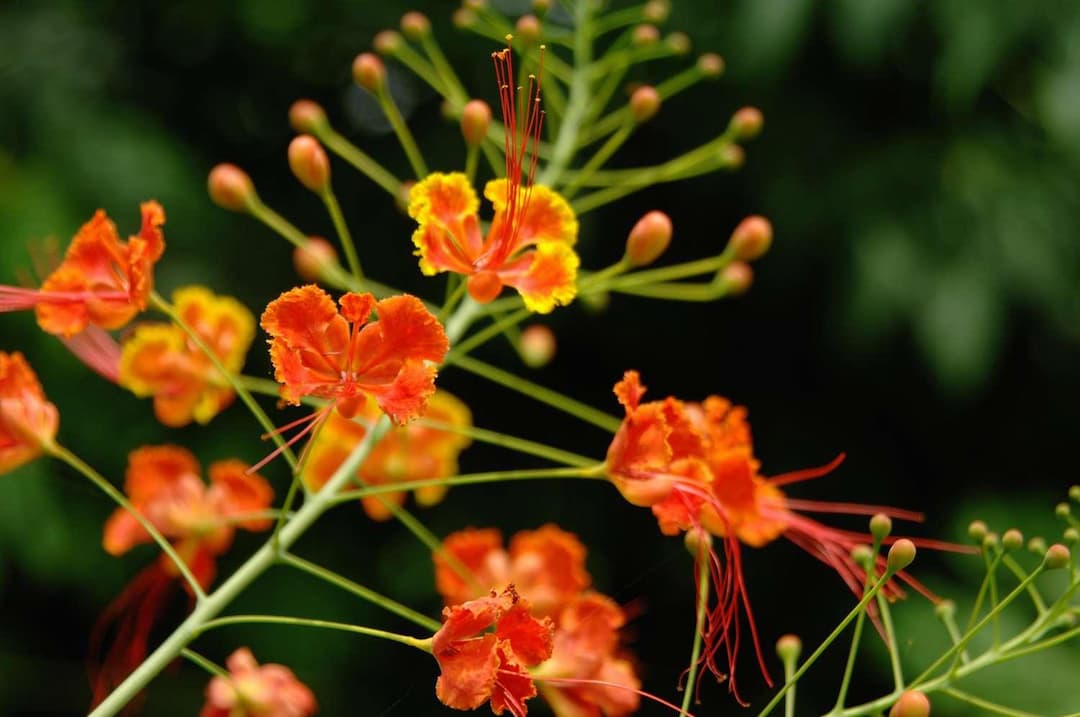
(17, 298)
(96, 348)
(824, 506)
(807, 473)
(313, 421)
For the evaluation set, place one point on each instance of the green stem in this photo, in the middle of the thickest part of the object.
(513, 443)
(166, 308)
(540, 393)
(454, 90)
(991, 574)
(258, 563)
(1033, 590)
(856, 638)
(597, 160)
(343, 233)
(404, 135)
(890, 642)
(699, 631)
(483, 336)
(985, 704)
(362, 162)
(579, 97)
(432, 543)
(419, 643)
(208, 665)
(1041, 645)
(63, 454)
(618, 19)
(421, 68)
(360, 591)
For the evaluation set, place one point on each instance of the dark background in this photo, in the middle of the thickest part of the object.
(919, 310)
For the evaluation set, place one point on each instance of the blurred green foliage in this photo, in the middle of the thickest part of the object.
(919, 309)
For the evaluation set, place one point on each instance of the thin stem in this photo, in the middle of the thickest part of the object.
(420, 67)
(789, 699)
(404, 135)
(360, 591)
(1041, 645)
(991, 574)
(699, 631)
(513, 443)
(579, 98)
(1033, 590)
(361, 161)
(342, 230)
(890, 642)
(540, 393)
(949, 620)
(856, 638)
(419, 643)
(985, 704)
(472, 159)
(454, 90)
(432, 542)
(63, 454)
(483, 336)
(597, 160)
(619, 19)
(166, 308)
(208, 665)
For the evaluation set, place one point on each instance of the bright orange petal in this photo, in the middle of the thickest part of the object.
(236, 493)
(27, 419)
(481, 552)
(448, 238)
(545, 277)
(547, 218)
(548, 567)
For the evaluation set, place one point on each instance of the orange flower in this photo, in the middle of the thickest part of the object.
(317, 351)
(162, 361)
(478, 666)
(529, 245)
(254, 691)
(102, 281)
(694, 465)
(28, 422)
(406, 453)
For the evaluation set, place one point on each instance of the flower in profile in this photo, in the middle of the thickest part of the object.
(162, 361)
(529, 244)
(200, 520)
(253, 690)
(102, 280)
(478, 666)
(28, 421)
(345, 358)
(413, 452)
(694, 465)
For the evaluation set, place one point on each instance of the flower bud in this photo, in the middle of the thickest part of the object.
(678, 42)
(751, 238)
(474, 4)
(541, 6)
(746, 123)
(649, 238)
(537, 345)
(644, 103)
(369, 72)
(1071, 536)
(386, 42)
(645, 35)
(311, 258)
(945, 609)
(307, 117)
(1074, 493)
(711, 65)
(697, 541)
(463, 18)
(990, 541)
(863, 556)
(484, 286)
(231, 187)
(528, 29)
(656, 11)
(1013, 539)
(911, 704)
(415, 25)
(1057, 556)
(736, 277)
(977, 530)
(475, 122)
(788, 648)
(732, 156)
(901, 554)
(1062, 510)
(1037, 545)
(308, 161)
(880, 526)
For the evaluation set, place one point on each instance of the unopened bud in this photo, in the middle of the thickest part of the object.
(537, 345)
(386, 42)
(990, 541)
(306, 116)
(945, 609)
(475, 122)
(308, 161)
(644, 103)
(484, 286)
(1013, 539)
(732, 156)
(656, 11)
(1062, 510)
(1071, 536)
(474, 4)
(678, 42)
(1057, 556)
(528, 29)
(463, 18)
(1037, 545)
(649, 238)
(415, 25)
(541, 6)
(746, 123)
(880, 526)
(901, 554)
(751, 238)
(863, 556)
(911, 704)
(311, 258)
(645, 35)
(711, 65)
(788, 648)
(977, 530)
(736, 277)
(369, 72)
(231, 187)
(1074, 493)
(698, 542)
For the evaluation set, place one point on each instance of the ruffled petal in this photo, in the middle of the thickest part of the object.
(27, 419)
(529, 638)
(234, 492)
(481, 552)
(545, 277)
(468, 673)
(548, 567)
(448, 238)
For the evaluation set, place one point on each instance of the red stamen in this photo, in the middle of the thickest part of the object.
(807, 473)
(312, 421)
(96, 348)
(818, 506)
(14, 298)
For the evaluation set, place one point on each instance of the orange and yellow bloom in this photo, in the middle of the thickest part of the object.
(102, 281)
(253, 690)
(413, 452)
(28, 421)
(162, 361)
